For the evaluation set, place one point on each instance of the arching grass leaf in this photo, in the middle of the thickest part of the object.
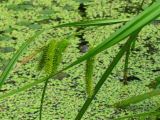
(145, 114)
(138, 98)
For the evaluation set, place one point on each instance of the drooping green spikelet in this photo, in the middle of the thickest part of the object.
(42, 59)
(61, 46)
(51, 51)
(89, 77)
(52, 56)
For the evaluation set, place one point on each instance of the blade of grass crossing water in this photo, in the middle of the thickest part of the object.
(145, 114)
(98, 22)
(138, 22)
(138, 98)
(25, 87)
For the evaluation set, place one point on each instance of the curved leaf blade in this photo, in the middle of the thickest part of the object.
(15, 58)
(25, 87)
(145, 114)
(136, 99)
(98, 22)
(138, 22)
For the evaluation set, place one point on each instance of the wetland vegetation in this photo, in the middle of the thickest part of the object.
(79, 59)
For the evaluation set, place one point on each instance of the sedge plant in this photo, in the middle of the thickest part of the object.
(50, 59)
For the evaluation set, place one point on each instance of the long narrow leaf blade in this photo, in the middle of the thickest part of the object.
(145, 114)
(138, 98)
(138, 22)
(15, 58)
(98, 22)
(13, 92)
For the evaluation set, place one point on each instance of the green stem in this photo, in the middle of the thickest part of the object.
(89, 76)
(131, 46)
(42, 98)
(125, 75)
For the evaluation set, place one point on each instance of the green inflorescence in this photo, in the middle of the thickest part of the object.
(52, 56)
(61, 46)
(49, 59)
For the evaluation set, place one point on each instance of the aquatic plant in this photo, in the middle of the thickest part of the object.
(51, 58)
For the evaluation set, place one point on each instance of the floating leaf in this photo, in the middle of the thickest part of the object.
(48, 11)
(7, 49)
(5, 37)
(8, 30)
(83, 1)
(35, 26)
(155, 83)
(43, 18)
(24, 23)
(157, 79)
(26, 5)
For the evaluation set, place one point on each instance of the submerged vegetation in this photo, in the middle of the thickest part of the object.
(96, 59)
